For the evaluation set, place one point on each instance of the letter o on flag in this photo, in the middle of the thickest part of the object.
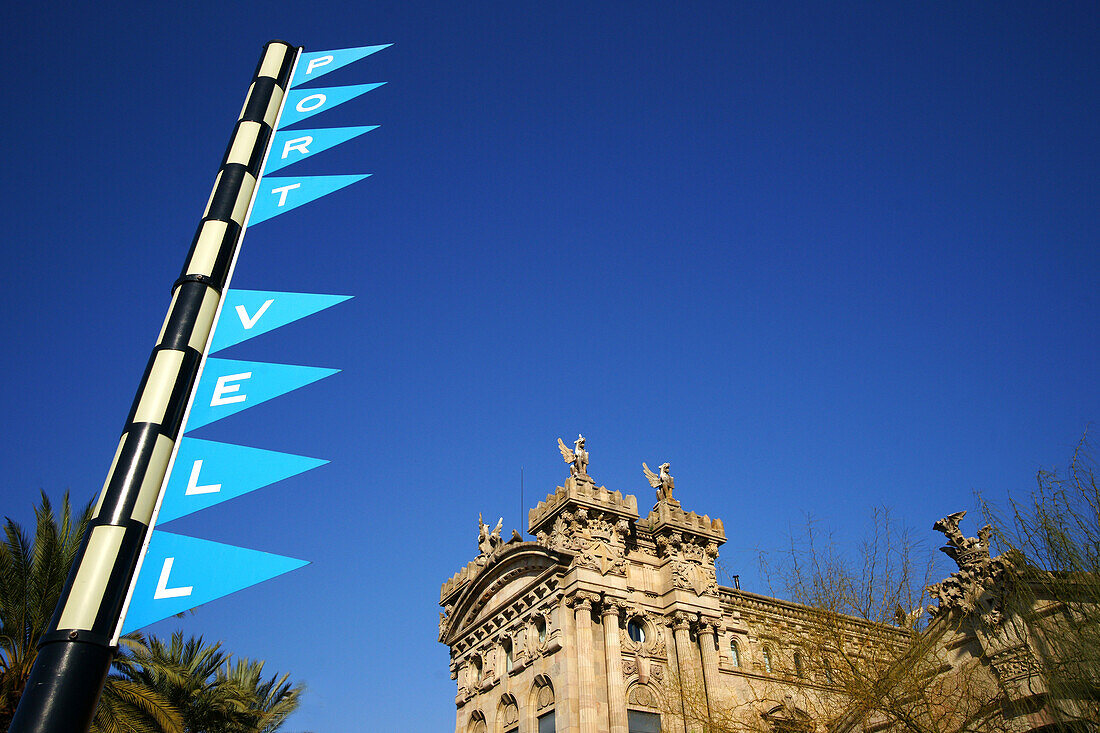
(306, 106)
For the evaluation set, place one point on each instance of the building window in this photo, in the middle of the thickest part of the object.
(475, 667)
(509, 714)
(540, 626)
(639, 721)
(798, 671)
(767, 659)
(546, 723)
(735, 653)
(635, 630)
(827, 666)
(507, 655)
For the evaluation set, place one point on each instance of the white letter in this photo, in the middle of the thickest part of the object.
(247, 322)
(282, 191)
(321, 61)
(301, 106)
(193, 483)
(163, 591)
(299, 144)
(221, 389)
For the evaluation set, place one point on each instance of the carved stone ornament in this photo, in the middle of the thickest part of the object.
(663, 482)
(576, 458)
(981, 583)
(1014, 664)
(641, 695)
(545, 697)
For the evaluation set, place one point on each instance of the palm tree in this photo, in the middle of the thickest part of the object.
(271, 700)
(128, 704)
(213, 692)
(154, 687)
(32, 576)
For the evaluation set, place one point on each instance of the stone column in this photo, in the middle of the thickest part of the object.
(586, 665)
(693, 707)
(567, 695)
(708, 638)
(616, 685)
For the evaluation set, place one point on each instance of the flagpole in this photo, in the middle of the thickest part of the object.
(75, 653)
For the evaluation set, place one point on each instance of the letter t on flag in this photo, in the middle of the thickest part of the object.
(278, 195)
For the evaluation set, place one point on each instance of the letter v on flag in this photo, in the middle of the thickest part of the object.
(206, 473)
(228, 386)
(288, 147)
(318, 63)
(180, 573)
(277, 195)
(248, 313)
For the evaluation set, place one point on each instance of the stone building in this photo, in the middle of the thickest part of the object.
(613, 621)
(585, 628)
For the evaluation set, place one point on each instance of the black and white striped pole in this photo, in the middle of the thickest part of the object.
(75, 653)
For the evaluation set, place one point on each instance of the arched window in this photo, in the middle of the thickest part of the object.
(798, 670)
(642, 714)
(540, 627)
(475, 668)
(507, 655)
(542, 705)
(635, 630)
(767, 659)
(827, 666)
(509, 714)
(477, 722)
(735, 653)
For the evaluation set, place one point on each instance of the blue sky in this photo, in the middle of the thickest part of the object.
(818, 257)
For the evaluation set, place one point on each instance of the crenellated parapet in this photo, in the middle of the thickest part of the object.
(578, 494)
(458, 580)
(587, 521)
(669, 517)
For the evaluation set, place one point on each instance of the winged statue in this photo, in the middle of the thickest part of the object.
(486, 540)
(663, 482)
(577, 458)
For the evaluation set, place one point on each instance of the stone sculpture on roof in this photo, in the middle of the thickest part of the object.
(978, 588)
(664, 482)
(576, 458)
(488, 541)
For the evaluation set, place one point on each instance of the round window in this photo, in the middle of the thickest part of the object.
(635, 631)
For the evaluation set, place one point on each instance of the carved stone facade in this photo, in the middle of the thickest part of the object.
(586, 625)
(585, 628)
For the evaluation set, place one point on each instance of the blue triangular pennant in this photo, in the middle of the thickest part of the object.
(228, 386)
(278, 195)
(180, 573)
(304, 103)
(291, 146)
(206, 473)
(318, 63)
(248, 313)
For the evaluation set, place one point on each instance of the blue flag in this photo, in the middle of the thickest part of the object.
(180, 573)
(318, 63)
(207, 473)
(248, 313)
(290, 147)
(228, 386)
(278, 195)
(304, 103)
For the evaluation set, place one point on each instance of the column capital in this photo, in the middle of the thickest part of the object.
(583, 599)
(682, 620)
(708, 626)
(613, 607)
